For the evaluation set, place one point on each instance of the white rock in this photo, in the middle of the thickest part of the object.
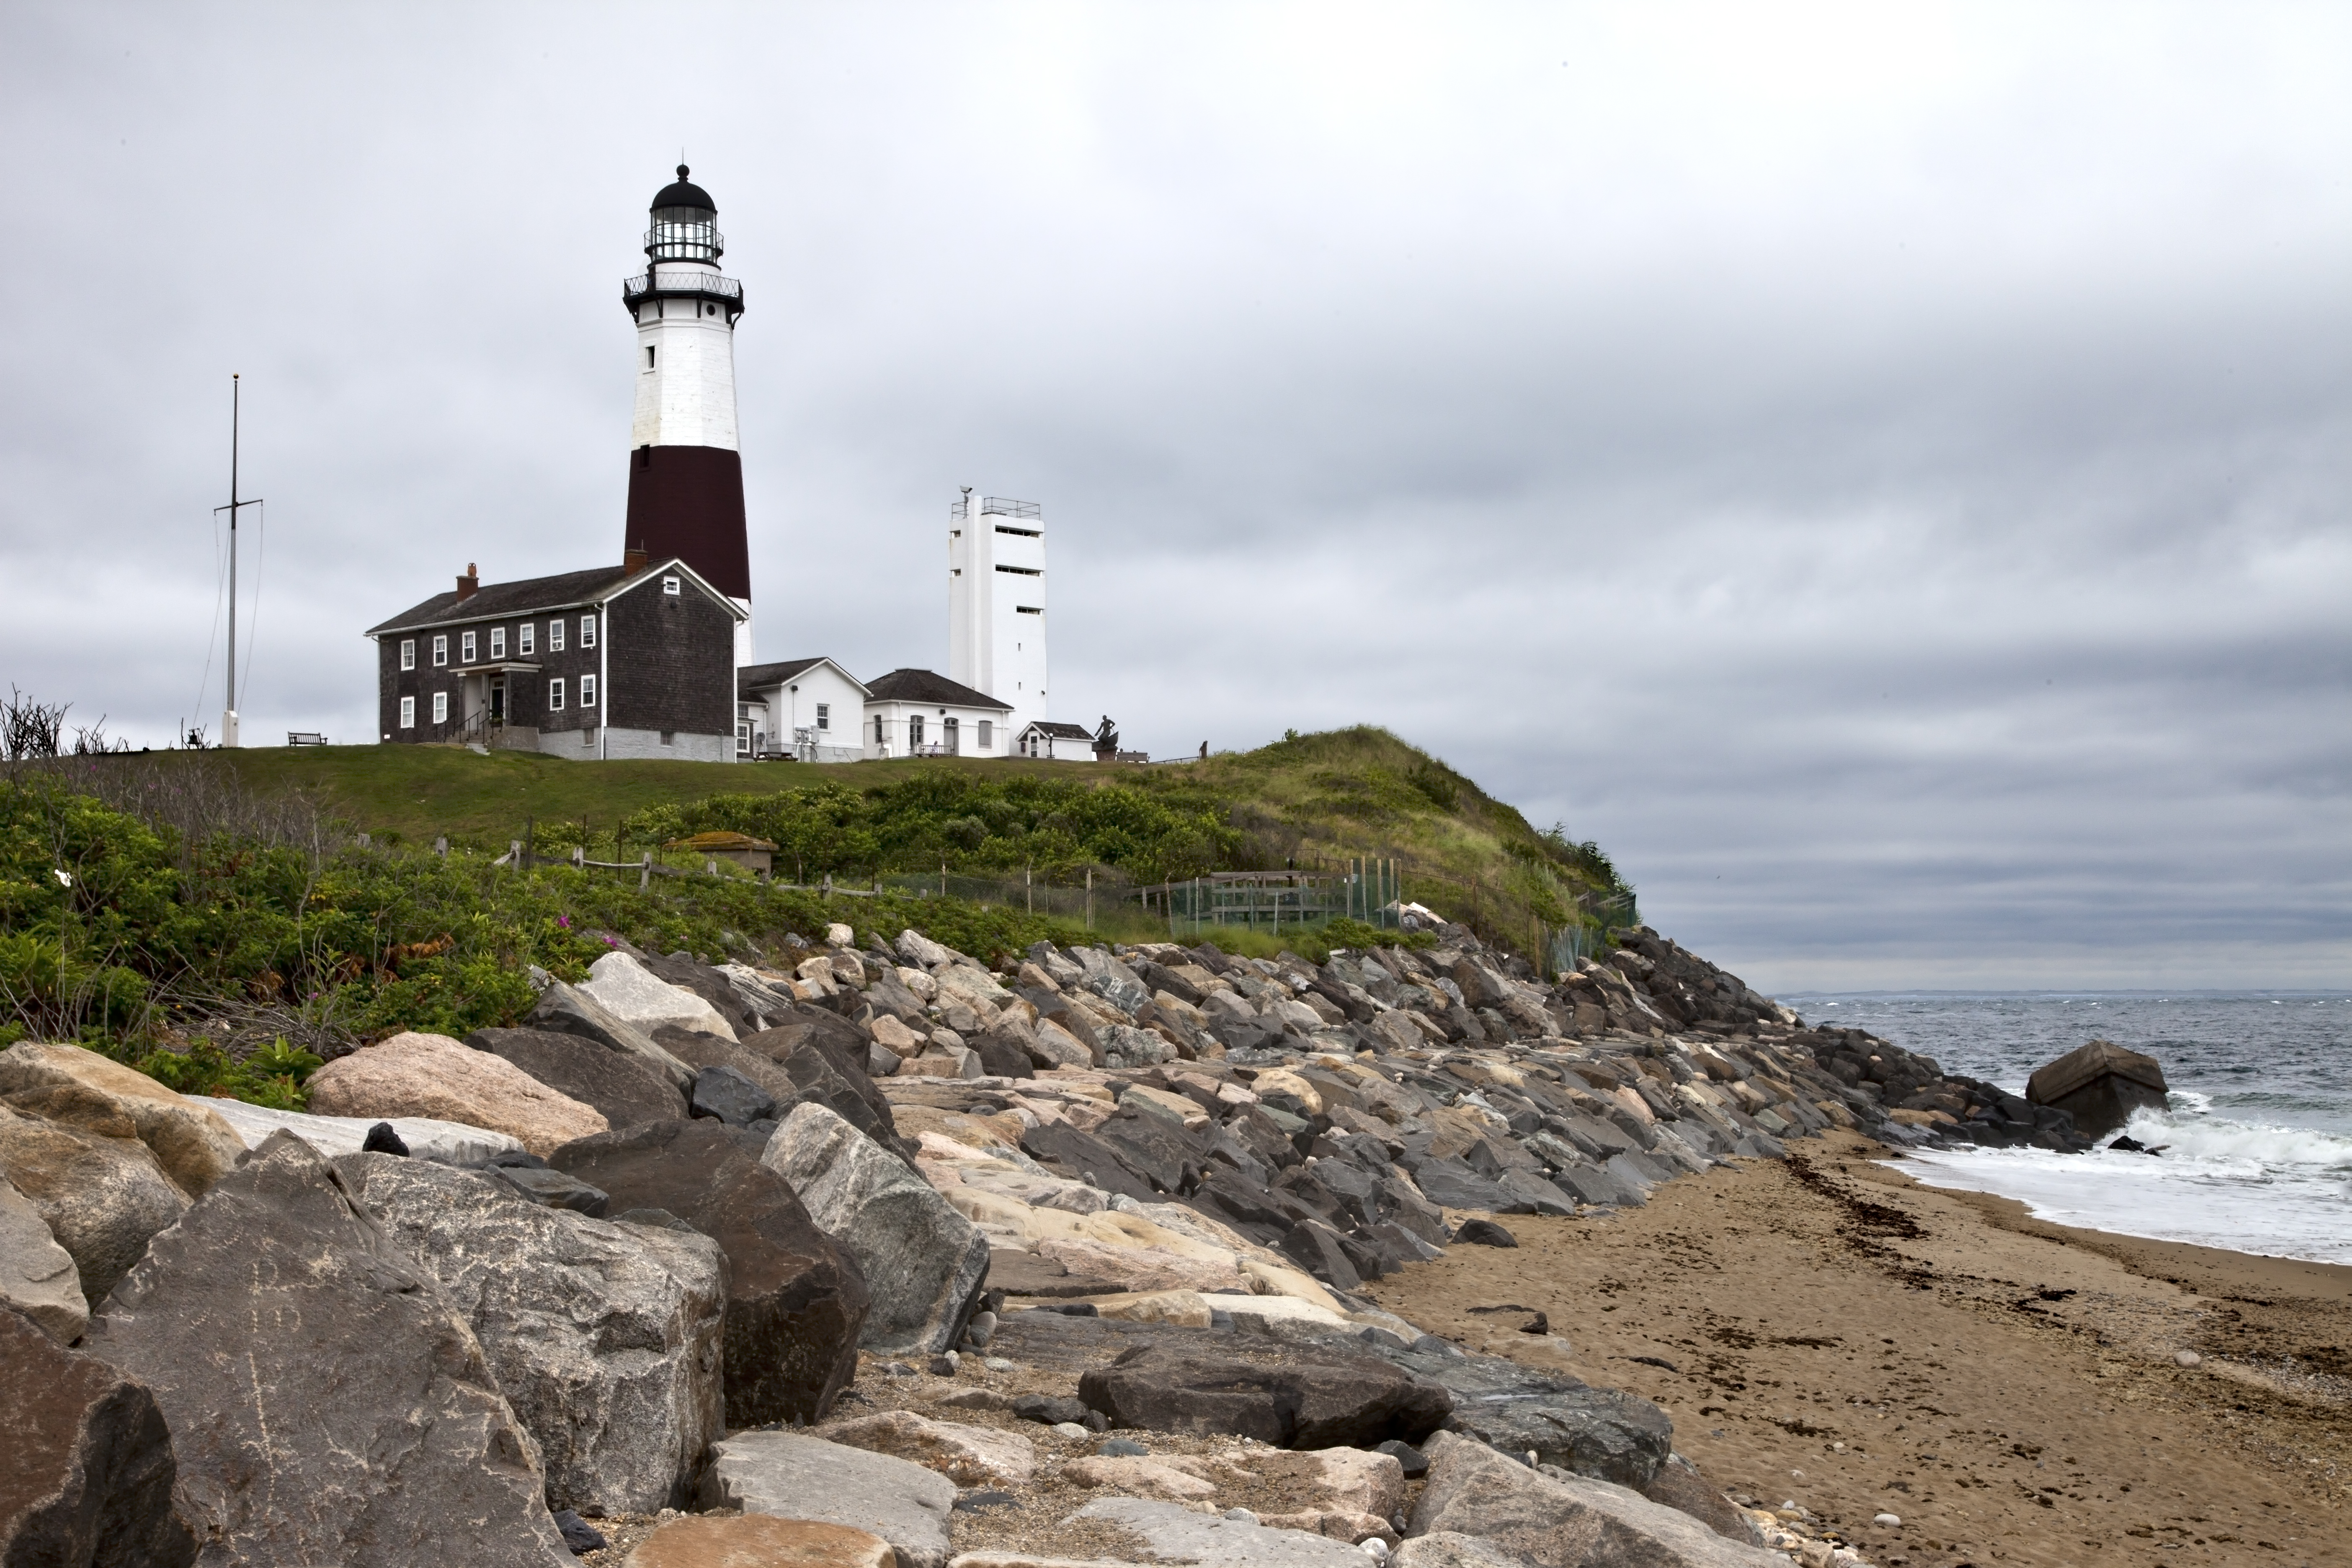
(840, 935)
(1888, 1522)
(448, 1142)
(797, 1477)
(634, 993)
(2187, 1358)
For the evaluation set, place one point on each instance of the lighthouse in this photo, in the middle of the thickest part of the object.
(685, 469)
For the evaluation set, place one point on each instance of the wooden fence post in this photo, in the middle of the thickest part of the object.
(646, 872)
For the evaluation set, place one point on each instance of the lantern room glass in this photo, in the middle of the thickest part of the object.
(685, 233)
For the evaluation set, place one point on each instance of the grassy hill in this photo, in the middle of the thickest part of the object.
(200, 912)
(1309, 802)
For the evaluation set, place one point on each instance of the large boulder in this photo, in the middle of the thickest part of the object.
(37, 1276)
(326, 1402)
(606, 1338)
(2099, 1085)
(433, 1074)
(634, 993)
(88, 1476)
(1605, 1433)
(626, 1089)
(827, 1068)
(1563, 1521)
(1285, 1395)
(923, 1261)
(569, 1010)
(796, 1302)
(101, 1198)
(67, 1084)
(450, 1143)
(799, 1477)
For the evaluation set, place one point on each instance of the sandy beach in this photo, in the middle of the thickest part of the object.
(1827, 1333)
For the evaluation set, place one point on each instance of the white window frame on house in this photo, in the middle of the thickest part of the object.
(824, 715)
(441, 651)
(555, 635)
(988, 734)
(440, 708)
(498, 642)
(466, 646)
(670, 586)
(914, 730)
(881, 731)
(742, 737)
(408, 653)
(587, 631)
(524, 639)
(587, 691)
(555, 695)
(408, 713)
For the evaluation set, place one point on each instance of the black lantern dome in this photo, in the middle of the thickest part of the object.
(685, 224)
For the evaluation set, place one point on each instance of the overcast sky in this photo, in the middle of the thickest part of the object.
(1884, 472)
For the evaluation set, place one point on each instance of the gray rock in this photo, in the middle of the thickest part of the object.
(1176, 1533)
(1450, 1184)
(37, 1276)
(364, 1425)
(922, 1260)
(606, 1338)
(450, 1143)
(1451, 1549)
(101, 1198)
(1678, 1485)
(1600, 1432)
(569, 1010)
(795, 1477)
(727, 1094)
(1563, 1521)
(626, 1088)
(1124, 1047)
(1286, 1394)
(554, 1188)
(1109, 979)
(795, 1299)
(88, 1481)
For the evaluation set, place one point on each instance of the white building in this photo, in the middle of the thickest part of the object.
(1048, 742)
(811, 709)
(916, 713)
(996, 603)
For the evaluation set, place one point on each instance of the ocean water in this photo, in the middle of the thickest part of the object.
(2257, 1146)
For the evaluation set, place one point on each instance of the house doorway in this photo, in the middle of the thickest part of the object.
(498, 699)
(952, 735)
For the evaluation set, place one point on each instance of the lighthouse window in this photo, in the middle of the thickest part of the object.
(523, 638)
(650, 356)
(555, 696)
(555, 637)
(440, 651)
(587, 631)
(408, 713)
(408, 653)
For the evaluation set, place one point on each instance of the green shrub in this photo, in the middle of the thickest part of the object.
(272, 1076)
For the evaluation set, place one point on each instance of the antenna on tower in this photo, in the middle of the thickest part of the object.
(228, 704)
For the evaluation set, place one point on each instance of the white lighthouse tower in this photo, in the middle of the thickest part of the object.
(996, 603)
(686, 470)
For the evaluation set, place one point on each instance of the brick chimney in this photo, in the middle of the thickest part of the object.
(470, 583)
(632, 560)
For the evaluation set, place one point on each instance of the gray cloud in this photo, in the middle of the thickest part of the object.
(1884, 476)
